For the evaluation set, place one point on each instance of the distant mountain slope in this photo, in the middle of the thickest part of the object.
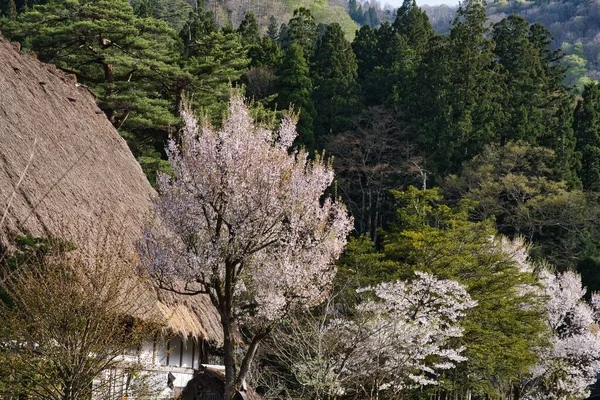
(575, 25)
(324, 12)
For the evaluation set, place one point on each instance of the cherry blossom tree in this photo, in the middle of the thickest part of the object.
(570, 363)
(405, 333)
(399, 337)
(247, 223)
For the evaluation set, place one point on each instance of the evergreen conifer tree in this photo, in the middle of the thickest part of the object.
(413, 23)
(453, 109)
(248, 29)
(373, 17)
(294, 86)
(334, 72)
(301, 30)
(8, 9)
(273, 29)
(587, 130)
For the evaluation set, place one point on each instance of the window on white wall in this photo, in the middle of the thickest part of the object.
(174, 352)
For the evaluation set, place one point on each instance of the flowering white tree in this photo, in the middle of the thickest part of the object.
(570, 363)
(400, 337)
(404, 334)
(247, 223)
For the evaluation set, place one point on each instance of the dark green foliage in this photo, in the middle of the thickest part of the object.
(535, 105)
(294, 86)
(413, 23)
(587, 131)
(452, 114)
(214, 59)
(388, 57)
(248, 29)
(173, 12)
(8, 9)
(334, 73)
(589, 268)
(200, 23)
(370, 18)
(355, 11)
(371, 48)
(273, 29)
(301, 30)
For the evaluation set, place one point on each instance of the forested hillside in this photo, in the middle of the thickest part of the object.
(461, 156)
(574, 24)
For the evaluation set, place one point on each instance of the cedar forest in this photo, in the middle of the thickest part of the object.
(469, 161)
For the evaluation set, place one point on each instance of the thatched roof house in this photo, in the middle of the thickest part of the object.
(63, 165)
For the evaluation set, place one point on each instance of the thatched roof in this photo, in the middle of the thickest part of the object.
(63, 167)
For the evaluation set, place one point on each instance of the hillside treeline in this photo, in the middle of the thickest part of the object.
(573, 24)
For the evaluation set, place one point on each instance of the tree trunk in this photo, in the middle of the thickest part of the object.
(229, 356)
(247, 361)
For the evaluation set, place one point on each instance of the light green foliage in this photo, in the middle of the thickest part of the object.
(501, 331)
(361, 265)
(517, 186)
(576, 71)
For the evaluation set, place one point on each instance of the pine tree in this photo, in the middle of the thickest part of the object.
(334, 73)
(173, 12)
(294, 86)
(587, 130)
(454, 102)
(535, 105)
(248, 29)
(353, 9)
(266, 53)
(273, 29)
(8, 9)
(200, 23)
(215, 61)
(373, 17)
(301, 30)
(413, 23)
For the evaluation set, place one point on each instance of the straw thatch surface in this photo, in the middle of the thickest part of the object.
(211, 381)
(64, 168)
